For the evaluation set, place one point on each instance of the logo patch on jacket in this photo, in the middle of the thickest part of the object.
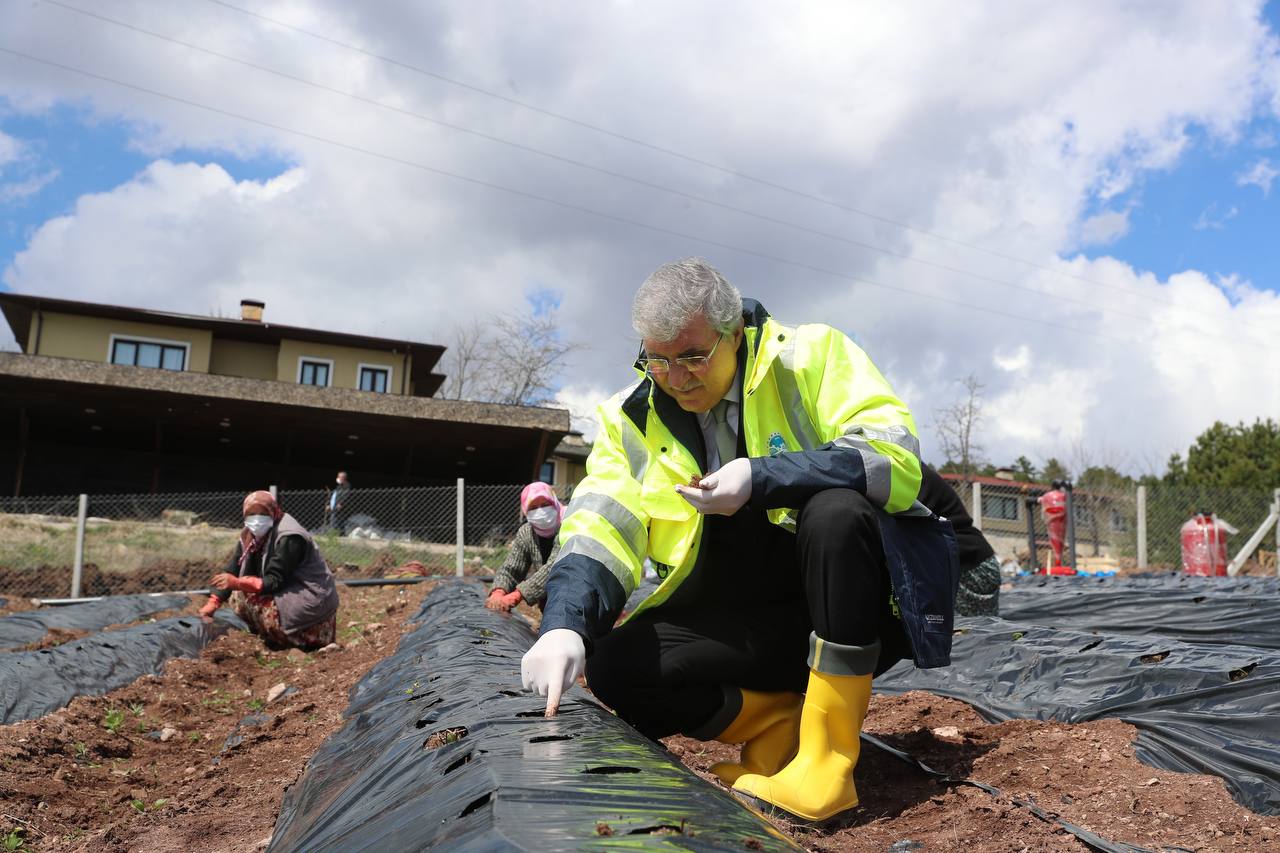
(777, 444)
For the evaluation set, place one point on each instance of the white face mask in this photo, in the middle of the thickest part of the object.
(258, 525)
(543, 516)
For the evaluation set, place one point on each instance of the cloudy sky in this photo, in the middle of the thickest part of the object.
(1071, 202)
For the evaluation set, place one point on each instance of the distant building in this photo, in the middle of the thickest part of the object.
(1102, 520)
(567, 465)
(105, 398)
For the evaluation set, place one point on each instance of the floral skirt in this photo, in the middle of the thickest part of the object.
(263, 618)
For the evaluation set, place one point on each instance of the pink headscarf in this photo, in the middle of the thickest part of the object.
(542, 490)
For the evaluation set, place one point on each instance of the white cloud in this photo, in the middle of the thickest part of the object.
(1013, 362)
(1104, 228)
(1009, 144)
(26, 187)
(1211, 219)
(1260, 174)
(10, 149)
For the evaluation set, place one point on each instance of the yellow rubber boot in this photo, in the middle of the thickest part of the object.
(818, 782)
(768, 727)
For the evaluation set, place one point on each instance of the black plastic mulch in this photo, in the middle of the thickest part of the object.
(1197, 708)
(442, 750)
(33, 684)
(1218, 611)
(30, 626)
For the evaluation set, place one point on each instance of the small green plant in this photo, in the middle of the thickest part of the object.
(81, 749)
(138, 805)
(15, 839)
(266, 662)
(160, 802)
(195, 737)
(113, 720)
(137, 708)
(256, 704)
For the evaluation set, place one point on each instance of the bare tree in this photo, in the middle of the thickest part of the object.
(464, 361)
(957, 426)
(510, 358)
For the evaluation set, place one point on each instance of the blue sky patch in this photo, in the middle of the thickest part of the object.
(90, 156)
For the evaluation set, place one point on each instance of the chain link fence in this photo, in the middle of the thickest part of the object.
(172, 542)
(1124, 529)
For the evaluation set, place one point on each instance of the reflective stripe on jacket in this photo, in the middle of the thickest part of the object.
(816, 414)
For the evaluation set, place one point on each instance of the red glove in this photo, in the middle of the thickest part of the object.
(510, 600)
(494, 601)
(210, 606)
(226, 580)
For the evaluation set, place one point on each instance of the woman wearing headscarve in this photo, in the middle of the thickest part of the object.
(277, 581)
(523, 577)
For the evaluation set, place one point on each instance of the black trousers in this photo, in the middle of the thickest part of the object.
(745, 620)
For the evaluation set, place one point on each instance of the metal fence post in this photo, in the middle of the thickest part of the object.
(1275, 495)
(1142, 527)
(77, 568)
(462, 530)
(976, 512)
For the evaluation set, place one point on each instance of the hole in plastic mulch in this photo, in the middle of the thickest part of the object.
(538, 713)
(509, 693)
(660, 829)
(610, 770)
(426, 695)
(438, 739)
(455, 765)
(1242, 672)
(1154, 658)
(478, 803)
(1092, 645)
(549, 738)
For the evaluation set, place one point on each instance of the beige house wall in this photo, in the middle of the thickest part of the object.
(241, 358)
(346, 361)
(89, 338)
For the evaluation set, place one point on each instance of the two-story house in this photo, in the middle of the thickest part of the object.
(104, 398)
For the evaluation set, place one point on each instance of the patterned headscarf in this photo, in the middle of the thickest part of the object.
(542, 490)
(257, 503)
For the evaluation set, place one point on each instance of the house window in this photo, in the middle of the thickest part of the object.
(374, 379)
(1119, 523)
(1000, 507)
(140, 352)
(314, 371)
(548, 472)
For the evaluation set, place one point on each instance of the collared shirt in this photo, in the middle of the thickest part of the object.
(707, 422)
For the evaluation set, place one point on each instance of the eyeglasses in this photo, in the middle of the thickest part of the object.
(691, 363)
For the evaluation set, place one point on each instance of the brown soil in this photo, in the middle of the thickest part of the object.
(58, 636)
(1086, 774)
(70, 783)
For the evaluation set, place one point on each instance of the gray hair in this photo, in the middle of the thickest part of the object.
(678, 292)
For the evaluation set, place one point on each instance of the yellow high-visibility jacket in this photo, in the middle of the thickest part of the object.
(816, 414)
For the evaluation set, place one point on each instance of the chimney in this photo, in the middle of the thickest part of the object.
(251, 310)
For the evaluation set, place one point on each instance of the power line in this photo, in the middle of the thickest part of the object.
(553, 201)
(614, 174)
(689, 158)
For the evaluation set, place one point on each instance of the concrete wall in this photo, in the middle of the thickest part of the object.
(345, 360)
(240, 358)
(89, 338)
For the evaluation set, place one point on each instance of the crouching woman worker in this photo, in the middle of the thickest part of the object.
(277, 581)
(523, 576)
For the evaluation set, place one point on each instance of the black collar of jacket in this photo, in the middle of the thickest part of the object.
(684, 425)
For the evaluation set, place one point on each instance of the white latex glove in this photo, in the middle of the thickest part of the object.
(723, 492)
(553, 665)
